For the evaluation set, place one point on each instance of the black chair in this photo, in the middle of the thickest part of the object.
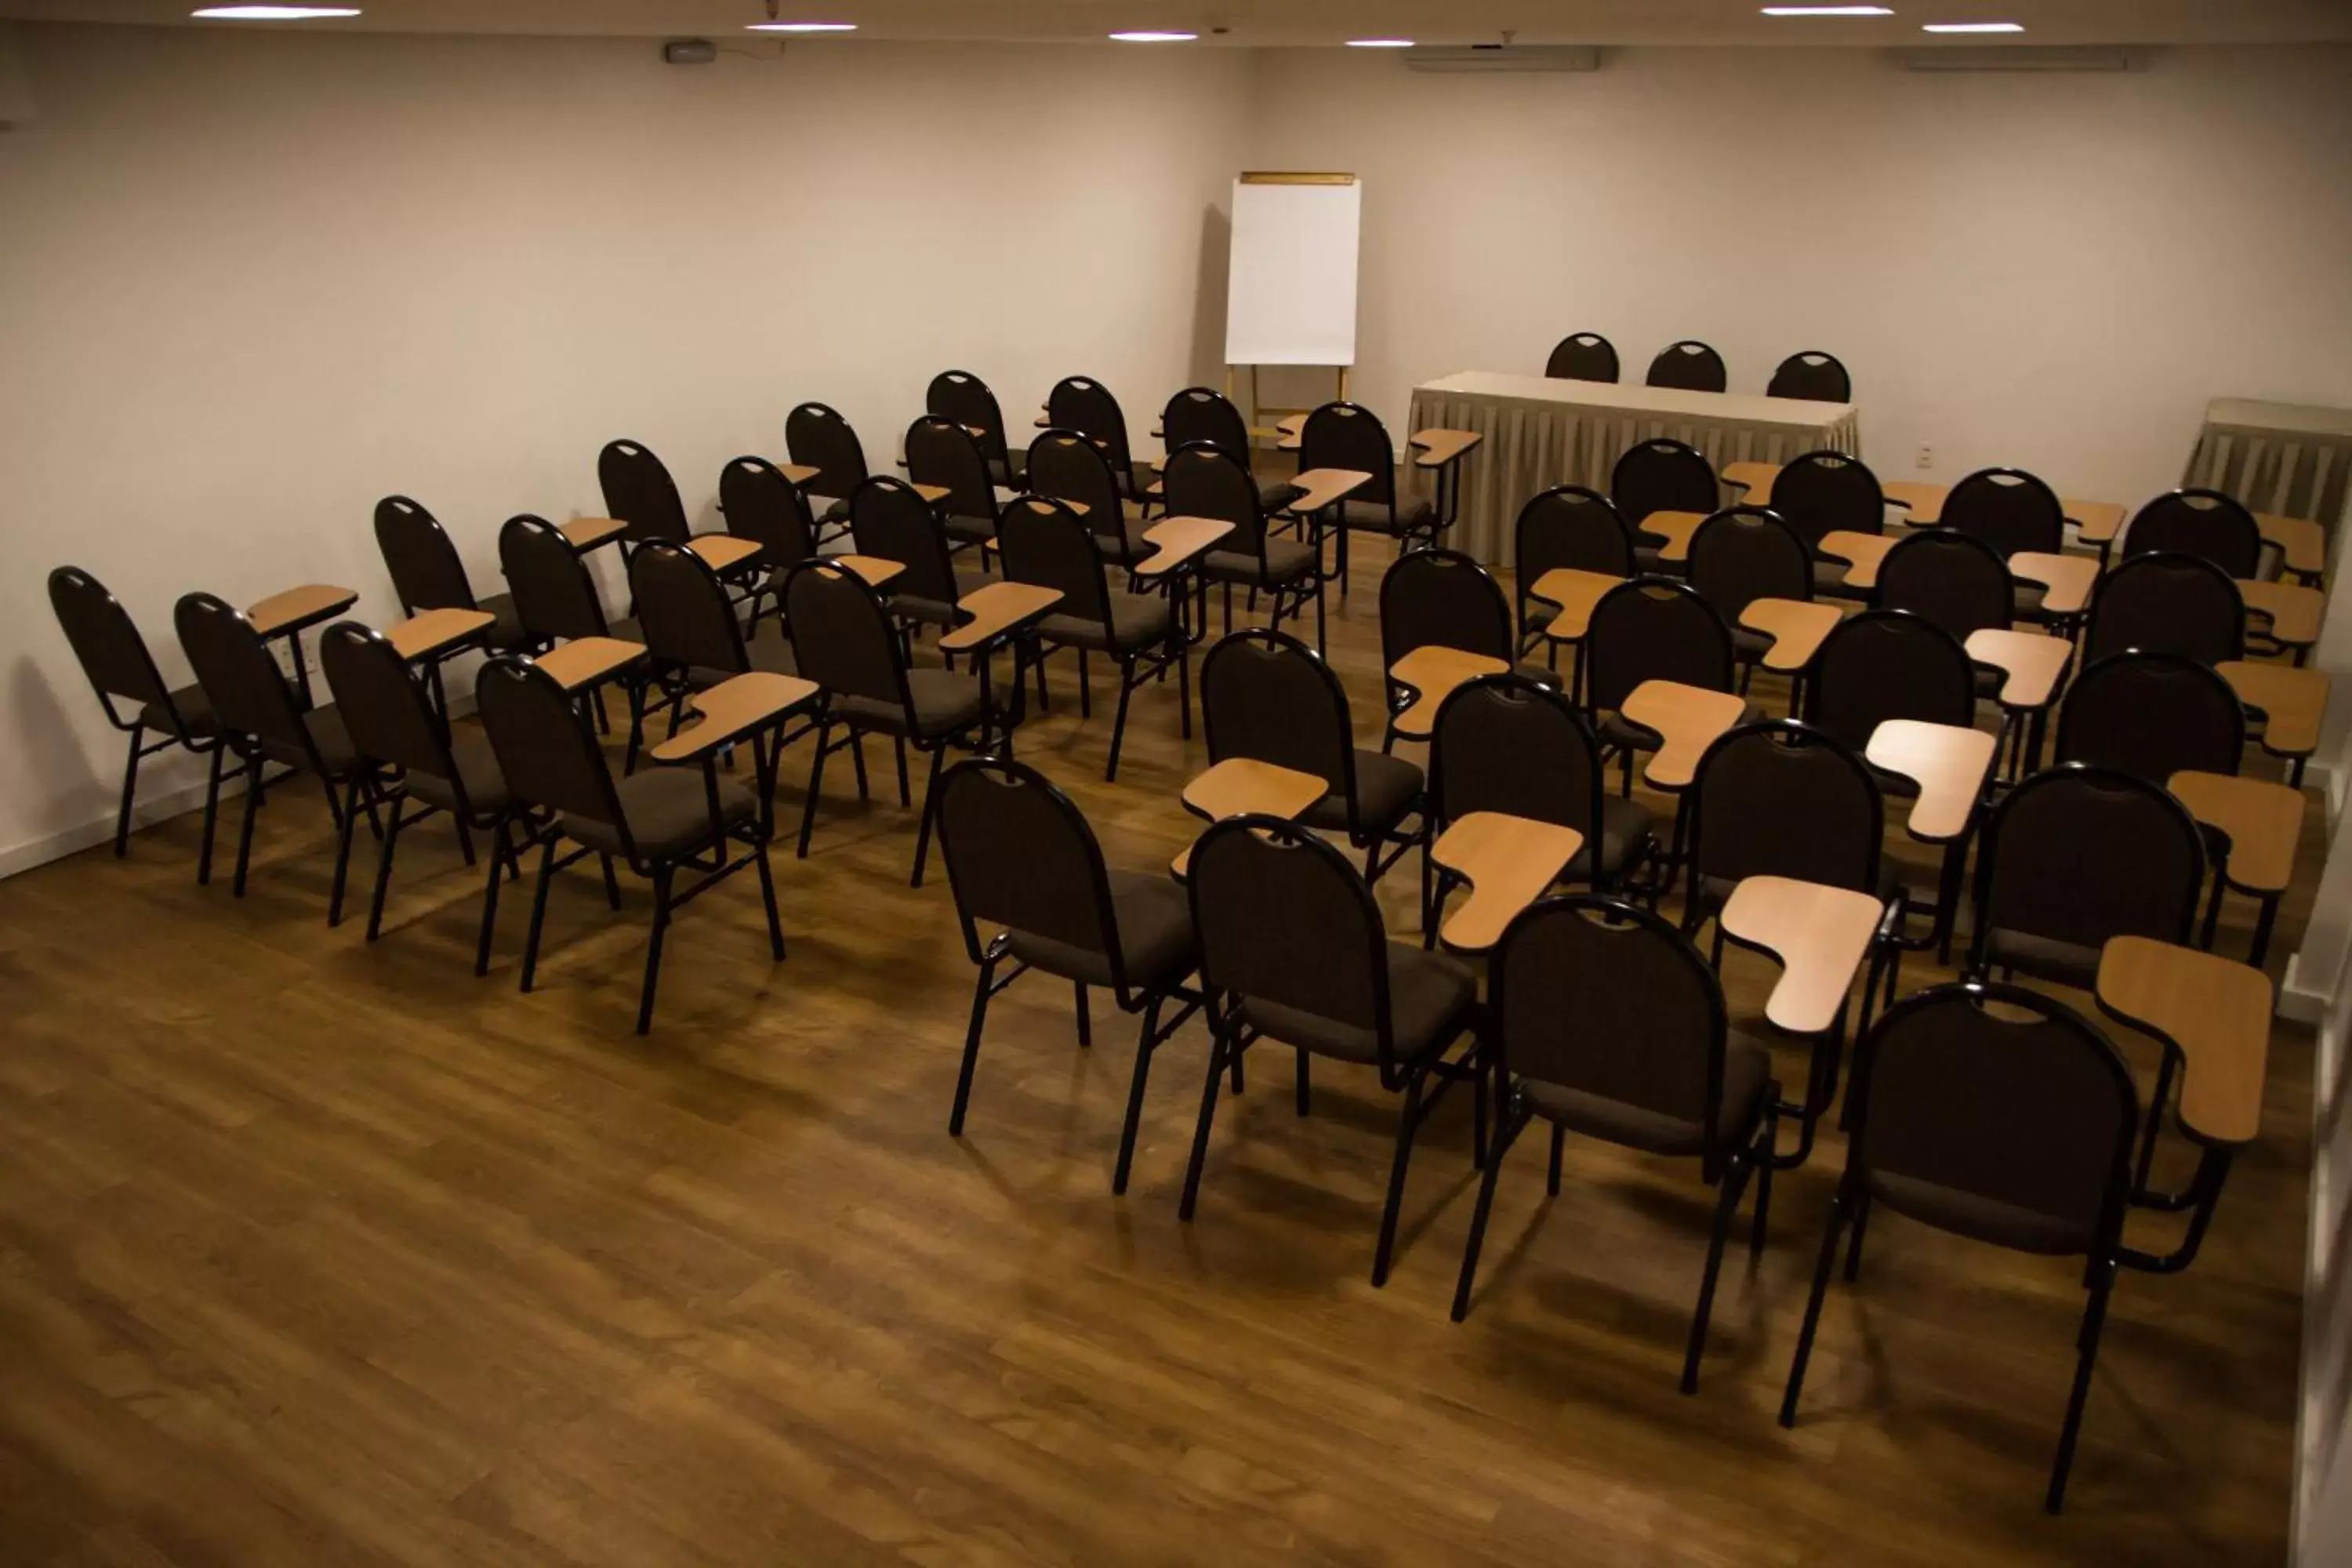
(943, 453)
(2207, 524)
(1080, 404)
(691, 630)
(2076, 855)
(1825, 492)
(817, 437)
(556, 599)
(1069, 466)
(2010, 510)
(1954, 580)
(1349, 435)
(115, 658)
(1266, 695)
(1690, 366)
(638, 490)
(1583, 357)
(1566, 526)
(428, 575)
(889, 521)
(763, 506)
(1442, 598)
(1198, 416)
(963, 397)
(1043, 542)
(1021, 856)
(2166, 603)
(395, 725)
(1651, 628)
(259, 721)
(1201, 480)
(2012, 1132)
(2152, 715)
(842, 640)
(1510, 744)
(1606, 1023)
(658, 822)
(1662, 475)
(1815, 374)
(1739, 555)
(1293, 949)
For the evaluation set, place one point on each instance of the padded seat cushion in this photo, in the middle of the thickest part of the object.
(328, 735)
(478, 771)
(1387, 788)
(931, 611)
(1008, 473)
(1154, 917)
(195, 713)
(2045, 958)
(1286, 561)
(1129, 546)
(1983, 1218)
(972, 530)
(506, 634)
(1625, 825)
(771, 655)
(944, 701)
(1748, 647)
(1829, 582)
(667, 811)
(1412, 512)
(1746, 1073)
(1273, 495)
(1136, 620)
(1430, 998)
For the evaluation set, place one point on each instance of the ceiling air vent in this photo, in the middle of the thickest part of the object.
(2018, 58)
(1505, 58)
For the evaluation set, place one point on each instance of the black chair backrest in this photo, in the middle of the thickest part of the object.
(1021, 856)
(387, 709)
(1689, 365)
(1203, 480)
(553, 595)
(841, 634)
(764, 507)
(942, 452)
(1888, 664)
(1568, 525)
(1663, 475)
(1812, 374)
(960, 396)
(248, 693)
(2009, 510)
(889, 522)
(1082, 404)
(2151, 715)
(1506, 743)
(1349, 436)
(1197, 416)
(1442, 599)
(684, 611)
(1601, 996)
(1952, 578)
(1653, 628)
(1747, 552)
(426, 574)
(640, 491)
(1043, 542)
(545, 746)
(1067, 466)
(817, 437)
(1822, 492)
(2167, 603)
(2077, 854)
(2200, 523)
(1267, 696)
(107, 641)
(1583, 357)
(1284, 919)
(1779, 798)
(2034, 1114)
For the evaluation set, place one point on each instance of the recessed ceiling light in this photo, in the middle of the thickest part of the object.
(1974, 27)
(273, 13)
(802, 27)
(1828, 11)
(1380, 43)
(1152, 37)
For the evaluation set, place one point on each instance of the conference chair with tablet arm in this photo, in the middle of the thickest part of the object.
(1068, 466)
(765, 507)
(1688, 366)
(1444, 598)
(658, 822)
(428, 575)
(817, 437)
(2011, 1131)
(1571, 528)
(638, 490)
(1044, 543)
(2205, 523)
(394, 726)
(1200, 416)
(1294, 951)
(2152, 715)
(1662, 475)
(690, 630)
(1739, 555)
(963, 397)
(556, 600)
(1583, 357)
(1020, 856)
(1651, 628)
(2013, 512)
(943, 454)
(889, 521)
(261, 721)
(1203, 480)
(107, 644)
(1606, 1023)
(1825, 492)
(1349, 435)
(1267, 696)
(2167, 602)
(1956, 580)
(1815, 374)
(1085, 405)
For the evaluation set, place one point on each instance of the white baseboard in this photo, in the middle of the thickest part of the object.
(146, 814)
(2300, 1003)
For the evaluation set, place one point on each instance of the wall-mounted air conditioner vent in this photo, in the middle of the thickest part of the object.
(1506, 57)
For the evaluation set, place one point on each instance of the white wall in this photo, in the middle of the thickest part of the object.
(251, 283)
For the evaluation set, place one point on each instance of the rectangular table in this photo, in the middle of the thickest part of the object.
(1541, 432)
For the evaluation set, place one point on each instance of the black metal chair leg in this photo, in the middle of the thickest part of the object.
(980, 995)
(130, 789)
(245, 832)
(465, 841)
(768, 900)
(2094, 1316)
(2154, 1122)
(612, 883)
(1303, 1094)
(384, 853)
(1406, 1124)
(1734, 1182)
(1217, 1055)
(1822, 1268)
(816, 782)
(502, 850)
(857, 761)
(212, 816)
(1119, 724)
(1559, 1146)
(1853, 1247)
(662, 875)
(1086, 1024)
(343, 850)
(1505, 1137)
(905, 794)
(538, 912)
(1144, 1047)
(923, 831)
(1184, 687)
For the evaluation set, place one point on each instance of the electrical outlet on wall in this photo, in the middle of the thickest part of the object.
(1927, 455)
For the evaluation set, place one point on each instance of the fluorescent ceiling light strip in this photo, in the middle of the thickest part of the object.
(273, 13)
(1974, 27)
(1380, 43)
(801, 27)
(1828, 11)
(1153, 37)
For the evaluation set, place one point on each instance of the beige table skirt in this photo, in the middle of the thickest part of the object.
(2277, 457)
(1542, 433)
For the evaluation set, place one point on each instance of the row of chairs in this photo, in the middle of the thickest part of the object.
(1690, 365)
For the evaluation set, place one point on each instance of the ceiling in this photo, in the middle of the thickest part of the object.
(1275, 23)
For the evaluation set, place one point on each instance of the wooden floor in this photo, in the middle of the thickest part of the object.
(316, 1252)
